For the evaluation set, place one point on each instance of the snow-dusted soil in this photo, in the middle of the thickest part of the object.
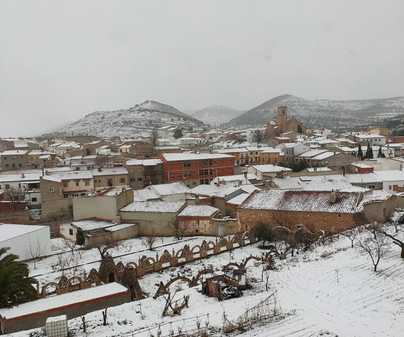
(330, 291)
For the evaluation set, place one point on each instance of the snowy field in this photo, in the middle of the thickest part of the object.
(329, 291)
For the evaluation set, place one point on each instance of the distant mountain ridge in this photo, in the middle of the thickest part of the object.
(216, 114)
(140, 119)
(324, 112)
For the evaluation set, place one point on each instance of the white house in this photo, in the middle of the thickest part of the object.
(25, 241)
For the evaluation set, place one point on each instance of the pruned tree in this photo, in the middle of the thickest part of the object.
(149, 242)
(104, 316)
(105, 248)
(374, 246)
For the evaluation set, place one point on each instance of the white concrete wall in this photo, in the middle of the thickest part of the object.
(29, 245)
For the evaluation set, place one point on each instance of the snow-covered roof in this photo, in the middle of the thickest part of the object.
(238, 200)
(144, 162)
(13, 152)
(10, 231)
(169, 189)
(154, 206)
(59, 177)
(58, 301)
(145, 194)
(198, 211)
(194, 156)
(232, 150)
(269, 168)
(318, 169)
(110, 171)
(214, 190)
(234, 178)
(119, 227)
(26, 178)
(312, 153)
(322, 156)
(88, 225)
(391, 175)
(309, 201)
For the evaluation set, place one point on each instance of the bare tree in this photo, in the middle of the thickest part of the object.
(374, 246)
(396, 242)
(352, 234)
(35, 251)
(149, 242)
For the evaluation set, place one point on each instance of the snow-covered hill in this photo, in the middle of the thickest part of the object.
(137, 120)
(324, 112)
(216, 114)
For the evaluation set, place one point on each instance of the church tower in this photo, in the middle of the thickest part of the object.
(282, 117)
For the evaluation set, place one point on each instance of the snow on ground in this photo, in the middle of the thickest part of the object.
(330, 291)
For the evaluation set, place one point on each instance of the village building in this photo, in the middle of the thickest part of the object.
(224, 197)
(94, 233)
(329, 211)
(104, 204)
(144, 172)
(369, 138)
(198, 220)
(154, 218)
(14, 160)
(283, 124)
(265, 172)
(110, 177)
(73, 304)
(58, 190)
(196, 168)
(321, 157)
(164, 192)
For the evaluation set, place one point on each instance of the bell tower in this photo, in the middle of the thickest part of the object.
(282, 117)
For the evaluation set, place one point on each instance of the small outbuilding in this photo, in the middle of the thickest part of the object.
(25, 241)
(73, 304)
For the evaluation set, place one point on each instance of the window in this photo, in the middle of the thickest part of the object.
(52, 189)
(65, 183)
(34, 199)
(87, 182)
(187, 164)
(7, 186)
(71, 232)
(122, 180)
(139, 179)
(77, 182)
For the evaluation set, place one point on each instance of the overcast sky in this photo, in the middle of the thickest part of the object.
(60, 60)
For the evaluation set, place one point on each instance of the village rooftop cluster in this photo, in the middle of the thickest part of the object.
(205, 193)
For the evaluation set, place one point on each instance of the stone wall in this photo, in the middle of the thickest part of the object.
(314, 221)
